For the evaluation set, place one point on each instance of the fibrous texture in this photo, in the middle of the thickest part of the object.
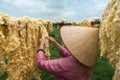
(63, 20)
(19, 41)
(86, 23)
(110, 35)
(2, 56)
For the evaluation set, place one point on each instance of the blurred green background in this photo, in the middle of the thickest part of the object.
(102, 71)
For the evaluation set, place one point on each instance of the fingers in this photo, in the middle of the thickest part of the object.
(47, 37)
(51, 40)
(42, 40)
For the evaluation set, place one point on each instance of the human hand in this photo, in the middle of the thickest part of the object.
(52, 40)
(42, 42)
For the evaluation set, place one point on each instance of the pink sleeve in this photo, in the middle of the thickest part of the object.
(64, 52)
(51, 66)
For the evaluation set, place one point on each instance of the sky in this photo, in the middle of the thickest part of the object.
(55, 10)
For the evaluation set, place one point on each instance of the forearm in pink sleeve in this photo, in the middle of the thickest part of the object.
(64, 52)
(51, 66)
(40, 57)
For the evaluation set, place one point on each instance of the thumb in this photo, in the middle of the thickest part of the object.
(47, 37)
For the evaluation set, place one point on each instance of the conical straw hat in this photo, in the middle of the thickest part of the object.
(82, 43)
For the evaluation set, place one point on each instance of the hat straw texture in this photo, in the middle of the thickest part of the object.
(82, 42)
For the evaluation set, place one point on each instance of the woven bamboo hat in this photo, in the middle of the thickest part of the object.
(82, 43)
